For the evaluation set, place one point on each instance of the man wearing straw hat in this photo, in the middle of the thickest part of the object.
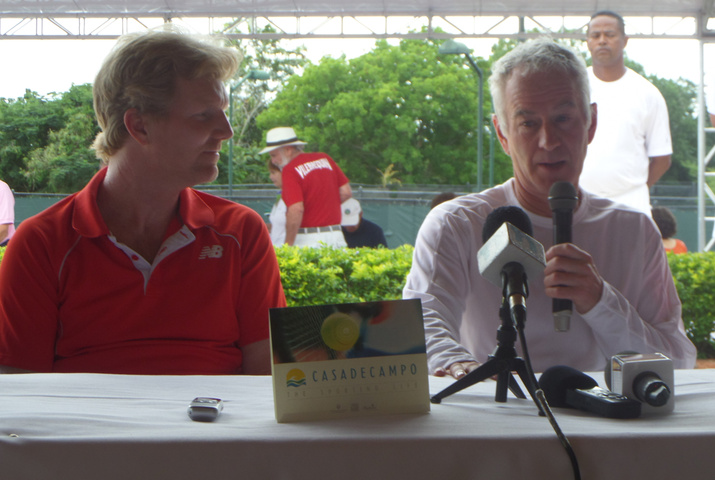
(314, 186)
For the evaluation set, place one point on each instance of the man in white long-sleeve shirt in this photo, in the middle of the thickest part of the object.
(615, 272)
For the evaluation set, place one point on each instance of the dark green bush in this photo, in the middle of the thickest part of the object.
(313, 276)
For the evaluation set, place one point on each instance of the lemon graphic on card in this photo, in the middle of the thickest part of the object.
(340, 331)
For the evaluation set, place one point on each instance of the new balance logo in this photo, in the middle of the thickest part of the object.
(215, 251)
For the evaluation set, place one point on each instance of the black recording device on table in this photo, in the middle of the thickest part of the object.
(564, 386)
(638, 385)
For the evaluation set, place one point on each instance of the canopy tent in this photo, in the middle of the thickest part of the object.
(331, 18)
(15, 14)
(179, 8)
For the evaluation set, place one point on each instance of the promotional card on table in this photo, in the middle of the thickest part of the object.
(352, 359)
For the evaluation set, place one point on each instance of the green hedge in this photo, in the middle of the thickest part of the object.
(327, 275)
(694, 275)
(342, 275)
(312, 276)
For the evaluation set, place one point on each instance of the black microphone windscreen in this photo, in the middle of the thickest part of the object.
(563, 196)
(556, 381)
(508, 213)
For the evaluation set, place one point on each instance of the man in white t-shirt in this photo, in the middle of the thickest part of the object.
(632, 147)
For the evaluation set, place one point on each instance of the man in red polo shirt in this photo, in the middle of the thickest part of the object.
(138, 273)
(314, 186)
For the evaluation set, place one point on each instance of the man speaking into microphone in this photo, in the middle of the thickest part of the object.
(614, 271)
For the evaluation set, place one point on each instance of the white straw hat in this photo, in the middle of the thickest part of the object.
(350, 212)
(280, 137)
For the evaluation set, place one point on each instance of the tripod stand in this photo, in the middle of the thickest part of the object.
(501, 363)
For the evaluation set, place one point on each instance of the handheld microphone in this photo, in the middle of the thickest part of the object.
(510, 256)
(648, 378)
(562, 201)
(567, 387)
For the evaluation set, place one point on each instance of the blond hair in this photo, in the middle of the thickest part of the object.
(141, 72)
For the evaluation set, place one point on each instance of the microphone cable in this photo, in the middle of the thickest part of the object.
(543, 405)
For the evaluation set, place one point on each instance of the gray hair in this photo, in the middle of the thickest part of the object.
(537, 56)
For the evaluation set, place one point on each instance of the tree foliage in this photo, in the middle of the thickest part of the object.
(680, 96)
(250, 97)
(409, 108)
(45, 140)
(403, 105)
(400, 114)
(67, 162)
(25, 127)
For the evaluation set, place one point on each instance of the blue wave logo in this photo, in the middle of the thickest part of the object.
(295, 378)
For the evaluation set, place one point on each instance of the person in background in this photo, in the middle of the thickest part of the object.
(7, 213)
(277, 217)
(314, 186)
(358, 231)
(441, 198)
(632, 148)
(139, 273)
(615, 271)
(668, 226)
(710, 99)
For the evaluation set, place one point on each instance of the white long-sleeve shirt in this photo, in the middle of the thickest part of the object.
(638, 311)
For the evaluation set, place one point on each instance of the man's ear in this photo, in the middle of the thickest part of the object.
(594, 122)
(135, 124)
(500, 135)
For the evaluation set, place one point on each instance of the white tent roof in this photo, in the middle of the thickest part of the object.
(692, 8)
(301, 18)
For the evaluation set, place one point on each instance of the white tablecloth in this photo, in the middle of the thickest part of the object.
(105, 427)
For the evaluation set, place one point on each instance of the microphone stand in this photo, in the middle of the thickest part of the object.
(502, 362)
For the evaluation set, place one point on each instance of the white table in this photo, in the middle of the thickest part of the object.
(105, 427)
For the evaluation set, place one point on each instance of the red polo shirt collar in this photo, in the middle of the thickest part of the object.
(88, 221)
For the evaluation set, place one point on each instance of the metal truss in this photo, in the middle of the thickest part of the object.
(98, 26)
(706, 193)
